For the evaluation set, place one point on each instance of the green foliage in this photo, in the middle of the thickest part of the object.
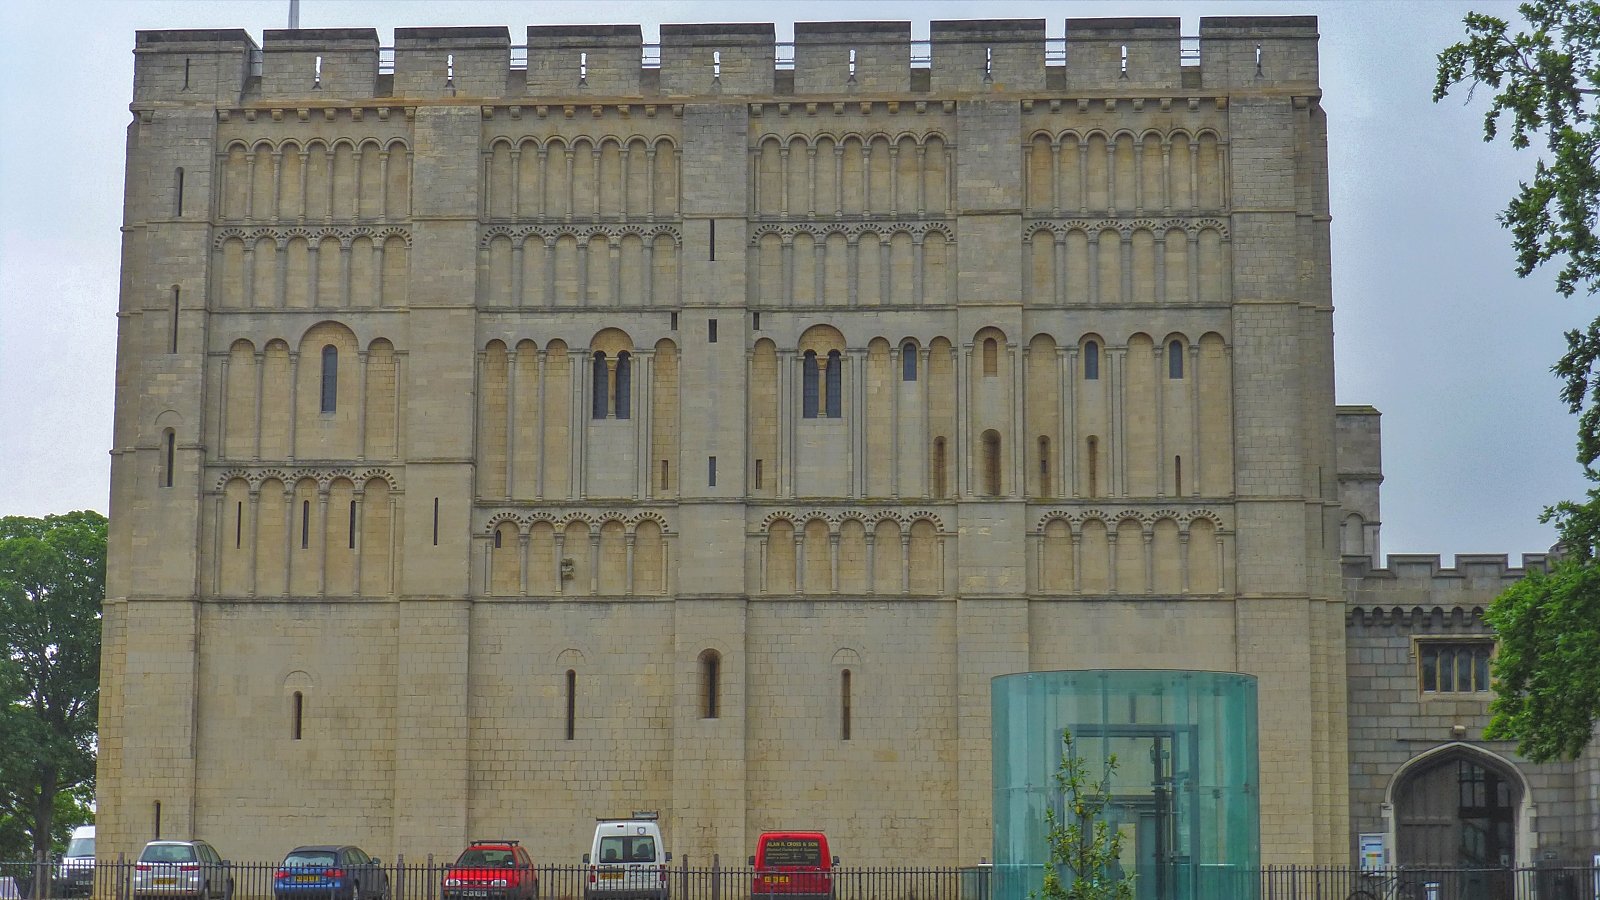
(1546, 80)
(52, 584)
(1083, 845)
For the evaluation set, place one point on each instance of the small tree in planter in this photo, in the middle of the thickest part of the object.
(1085, 851)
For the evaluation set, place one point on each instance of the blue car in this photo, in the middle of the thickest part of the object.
(330, 872)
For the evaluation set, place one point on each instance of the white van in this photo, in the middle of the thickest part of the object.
(628, 860)
(76, 875)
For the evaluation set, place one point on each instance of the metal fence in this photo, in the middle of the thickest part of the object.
(404, 880)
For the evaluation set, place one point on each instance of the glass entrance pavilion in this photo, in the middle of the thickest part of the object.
(1184, 794)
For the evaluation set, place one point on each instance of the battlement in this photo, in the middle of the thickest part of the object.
(1417, 590)
(1471, 569)
(1096, 56)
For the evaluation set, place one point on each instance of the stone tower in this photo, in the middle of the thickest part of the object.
(508, 436)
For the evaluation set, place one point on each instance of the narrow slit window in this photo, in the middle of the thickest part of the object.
(809, 390)
(711, 243)
(711, 331)
(449, 68)
(497, 539)
(939, 467)
(852, 64)
(1177, 474)
(186, 74)
(664, 470)
(755, 321)
(1174, 360)
(1092, 448)
(316, 77)
(672, 321)
(177, 192)
(351, 539)
(908, 362)
(305, 524)
(238, 525)
(1044, 465)
(583, 67)
(716, 64)
(157, 821)
(330, 378)
(1091, 361)
(835, 385)
(710, 684)
(1124, 59)
(295, 724)
(572, 703)
(991, 357)
(758, 475)
(172, 333)
(436, 521)
(601, 387)
(711, 471)
(169, 456)
(844, 705)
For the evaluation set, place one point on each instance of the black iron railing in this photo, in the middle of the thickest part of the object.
(402, 879)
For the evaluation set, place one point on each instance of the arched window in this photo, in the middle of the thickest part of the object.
(601, 386)
(991, 357)
(572, 703)
(497, 539)
(908, 362)
(1091, 361)
(1175, 360)
(710, 684)
(939, 468)
(330, 378)
(991, 463)
(844, 705)
(835, 385)
(169, 456)
(624, 384)
(809, 392)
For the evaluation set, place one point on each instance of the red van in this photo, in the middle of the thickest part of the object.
(792, 865)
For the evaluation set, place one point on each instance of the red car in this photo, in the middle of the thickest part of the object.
(792, 865)
(492, 870)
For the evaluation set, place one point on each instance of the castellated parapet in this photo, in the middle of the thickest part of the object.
(1098, 57)
(701, 425)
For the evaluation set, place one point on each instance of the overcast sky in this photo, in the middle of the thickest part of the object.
(1433, 327)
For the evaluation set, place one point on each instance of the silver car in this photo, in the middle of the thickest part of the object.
(182, 869)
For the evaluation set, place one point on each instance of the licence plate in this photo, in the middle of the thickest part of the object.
(777, 879)
(166, 881)
(305, 878)
(610, 876)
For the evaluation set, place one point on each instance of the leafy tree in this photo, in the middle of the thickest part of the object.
(1082, 844)
(1546, 80)
(52, 583)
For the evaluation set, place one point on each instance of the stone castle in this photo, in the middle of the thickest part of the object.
(512, 435)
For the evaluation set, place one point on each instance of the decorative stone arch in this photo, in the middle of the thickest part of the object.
(1524, 823)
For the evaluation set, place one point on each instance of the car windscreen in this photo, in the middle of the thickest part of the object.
(168, 853)
(80, 847)
(490, 858)
(626, 849)
(793, 852)
(309, 858)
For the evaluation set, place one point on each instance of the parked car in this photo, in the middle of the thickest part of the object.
(492, 870)
(628, 860)
(792, 865)
(75, 876)
(329, 872)
(182, 869)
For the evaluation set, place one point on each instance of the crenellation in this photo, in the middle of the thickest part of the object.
(331, 63)
(603, 60)
(984, 55)
(1130, 53)
(199, 66)
(852, 57)
(701, 60)
(451, 62)
(1258, 52)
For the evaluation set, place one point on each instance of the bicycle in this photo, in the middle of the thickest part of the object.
(1385, 886)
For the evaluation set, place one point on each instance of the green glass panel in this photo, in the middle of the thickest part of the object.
(1185, 794)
